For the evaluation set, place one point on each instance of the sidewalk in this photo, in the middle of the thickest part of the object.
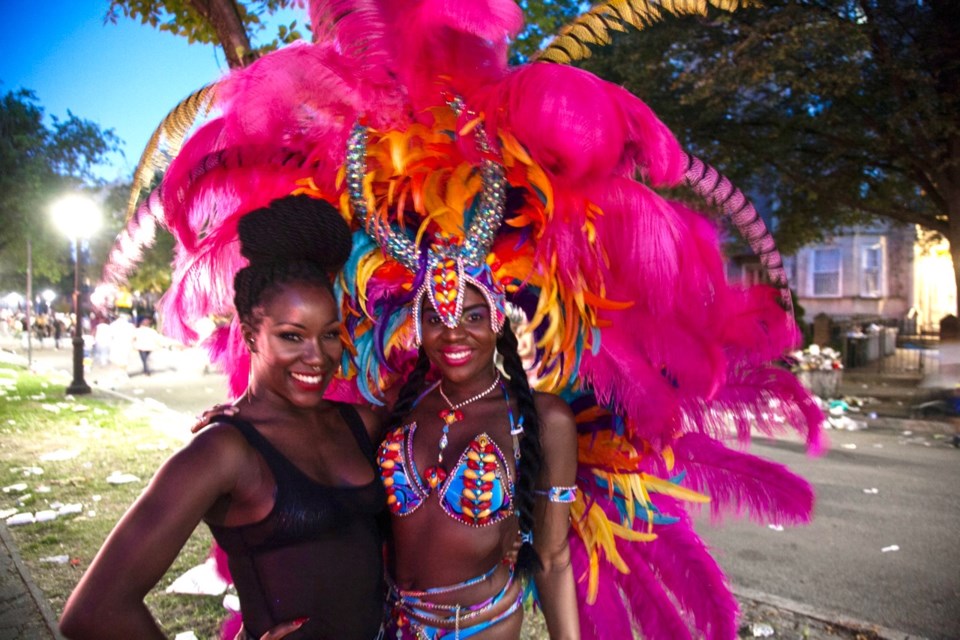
(26, 615)
(24, 611)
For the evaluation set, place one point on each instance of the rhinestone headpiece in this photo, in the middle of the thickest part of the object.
(448, 263)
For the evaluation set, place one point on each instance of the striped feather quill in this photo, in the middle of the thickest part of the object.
(165, 143)
(594, 27)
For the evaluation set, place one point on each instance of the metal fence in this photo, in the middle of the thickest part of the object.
(885, 346)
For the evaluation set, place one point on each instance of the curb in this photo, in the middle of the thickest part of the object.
(832, 618)
(32, 598)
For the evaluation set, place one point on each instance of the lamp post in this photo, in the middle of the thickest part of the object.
(77, 217)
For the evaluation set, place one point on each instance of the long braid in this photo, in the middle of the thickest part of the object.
(410, 391)
(531, 455)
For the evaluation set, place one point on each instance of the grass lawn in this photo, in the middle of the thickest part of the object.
(57, 452)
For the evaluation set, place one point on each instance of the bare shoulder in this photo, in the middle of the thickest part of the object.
(558, 440)
(221, 446)
(554, 411)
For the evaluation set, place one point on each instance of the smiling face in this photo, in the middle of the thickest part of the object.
(465, 353)
(295, 346)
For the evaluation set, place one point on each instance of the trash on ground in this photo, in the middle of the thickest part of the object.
(30, 471)
(6, 513)
(892, 547)
(231, 602)
(185, 635)
(761, 630)
(203, 579)
(20, 487)
(62, 559)
(845, 423)
(70, 509)
(848, 445)
(908, 433)
(837, 407)
(20, 519)
(775, 527)
(118, 477)
(872, 491)
(60, 454)
(45, 516)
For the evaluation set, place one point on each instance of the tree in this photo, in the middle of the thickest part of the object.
(37, 163)
(230, 24)
(833, 111)
(234, 25)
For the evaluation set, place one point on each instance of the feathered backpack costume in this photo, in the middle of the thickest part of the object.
(535, 184)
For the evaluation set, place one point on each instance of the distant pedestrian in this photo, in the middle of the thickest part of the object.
(58, 328)
(121, 341)
(101, 343)
(146, 340)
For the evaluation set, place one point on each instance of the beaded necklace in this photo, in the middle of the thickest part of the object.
(453, 414)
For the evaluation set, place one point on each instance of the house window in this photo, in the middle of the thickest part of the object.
(826, 272)
(871, 283)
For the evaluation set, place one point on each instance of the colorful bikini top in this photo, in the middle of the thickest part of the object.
(478, 492)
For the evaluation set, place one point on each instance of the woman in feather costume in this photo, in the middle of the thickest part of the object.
(407, 114)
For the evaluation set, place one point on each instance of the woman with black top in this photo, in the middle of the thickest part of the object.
(288, 483)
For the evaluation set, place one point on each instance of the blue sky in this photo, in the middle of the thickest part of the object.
(125, 76)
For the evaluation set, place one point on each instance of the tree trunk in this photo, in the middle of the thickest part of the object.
(224, 17)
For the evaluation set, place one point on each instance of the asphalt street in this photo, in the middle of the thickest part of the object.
(884, 545)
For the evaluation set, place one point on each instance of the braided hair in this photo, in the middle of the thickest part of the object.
(411, 389)
(531, 456)
(293, 239)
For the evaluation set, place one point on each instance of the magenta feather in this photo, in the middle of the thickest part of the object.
(607, 617)
(651, 605)
(768, 399)
(683, 563)
(745, 484)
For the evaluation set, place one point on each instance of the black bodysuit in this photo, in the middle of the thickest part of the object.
(316, 555)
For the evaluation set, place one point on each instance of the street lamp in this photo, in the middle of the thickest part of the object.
(77, 217)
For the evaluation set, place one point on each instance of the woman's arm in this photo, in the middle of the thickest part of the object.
(373, 421)
(108, 601)
(555, 583)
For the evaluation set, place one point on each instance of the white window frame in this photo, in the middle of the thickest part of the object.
(877, 289)
(814, 273)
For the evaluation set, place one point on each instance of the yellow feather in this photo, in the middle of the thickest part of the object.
(668, 458)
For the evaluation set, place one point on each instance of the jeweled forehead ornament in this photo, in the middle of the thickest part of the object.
(451, 263)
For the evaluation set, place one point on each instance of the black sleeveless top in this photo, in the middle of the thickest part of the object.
(316, 555)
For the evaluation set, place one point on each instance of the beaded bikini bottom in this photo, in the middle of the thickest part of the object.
(407, 604)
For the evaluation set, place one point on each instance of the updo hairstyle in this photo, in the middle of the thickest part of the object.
(293, 239)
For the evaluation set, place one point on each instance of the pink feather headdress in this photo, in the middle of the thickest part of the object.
(666, 365)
